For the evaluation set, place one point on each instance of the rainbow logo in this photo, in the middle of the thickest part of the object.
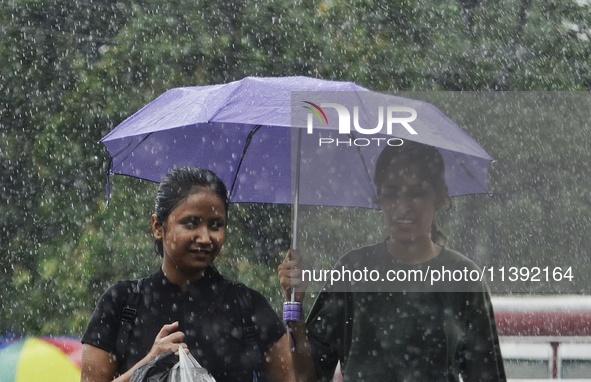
(317, 111)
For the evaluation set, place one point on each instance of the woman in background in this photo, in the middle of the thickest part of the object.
(409, 334)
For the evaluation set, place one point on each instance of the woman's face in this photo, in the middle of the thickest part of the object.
(408, 202)
(193, 234)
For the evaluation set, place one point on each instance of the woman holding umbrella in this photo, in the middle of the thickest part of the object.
(408, 333)
(187, 305)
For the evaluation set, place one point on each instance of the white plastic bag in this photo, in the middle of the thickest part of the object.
(187, 369)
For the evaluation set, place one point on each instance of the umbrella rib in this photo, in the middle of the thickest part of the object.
(244, 150)
(126, 148)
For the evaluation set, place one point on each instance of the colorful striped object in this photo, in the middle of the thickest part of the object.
(36, 359)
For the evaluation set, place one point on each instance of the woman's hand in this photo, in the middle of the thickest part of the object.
(168, 339)
(101, 366)
(290, 276)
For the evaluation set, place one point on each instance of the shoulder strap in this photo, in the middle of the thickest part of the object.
(128, 315)
(247, 310)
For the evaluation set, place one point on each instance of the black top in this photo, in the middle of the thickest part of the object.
(405, 336)
(209, 313)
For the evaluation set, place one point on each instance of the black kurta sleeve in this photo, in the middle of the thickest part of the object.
(267, 323)
(480, 355)
(326, 325)
(105, 320)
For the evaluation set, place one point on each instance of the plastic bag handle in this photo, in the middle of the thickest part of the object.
(189, 369)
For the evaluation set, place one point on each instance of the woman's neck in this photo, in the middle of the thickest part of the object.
(413, 252)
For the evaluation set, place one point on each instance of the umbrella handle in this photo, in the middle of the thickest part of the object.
(292, 311)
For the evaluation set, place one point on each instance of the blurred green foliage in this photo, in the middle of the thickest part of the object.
(73, 70)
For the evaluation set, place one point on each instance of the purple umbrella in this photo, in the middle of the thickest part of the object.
(286, 140)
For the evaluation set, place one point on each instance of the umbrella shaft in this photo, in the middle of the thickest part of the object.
(296, 197)
(296, 200)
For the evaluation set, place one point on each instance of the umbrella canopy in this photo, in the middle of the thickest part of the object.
(256, 134)
(41, 359)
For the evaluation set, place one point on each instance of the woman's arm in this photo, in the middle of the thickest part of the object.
(303, 363)
(290, 276)
(279, 367)
(101, 366)
(97, 365)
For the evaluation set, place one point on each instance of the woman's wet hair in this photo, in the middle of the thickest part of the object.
(427, 160)
(178, 185)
